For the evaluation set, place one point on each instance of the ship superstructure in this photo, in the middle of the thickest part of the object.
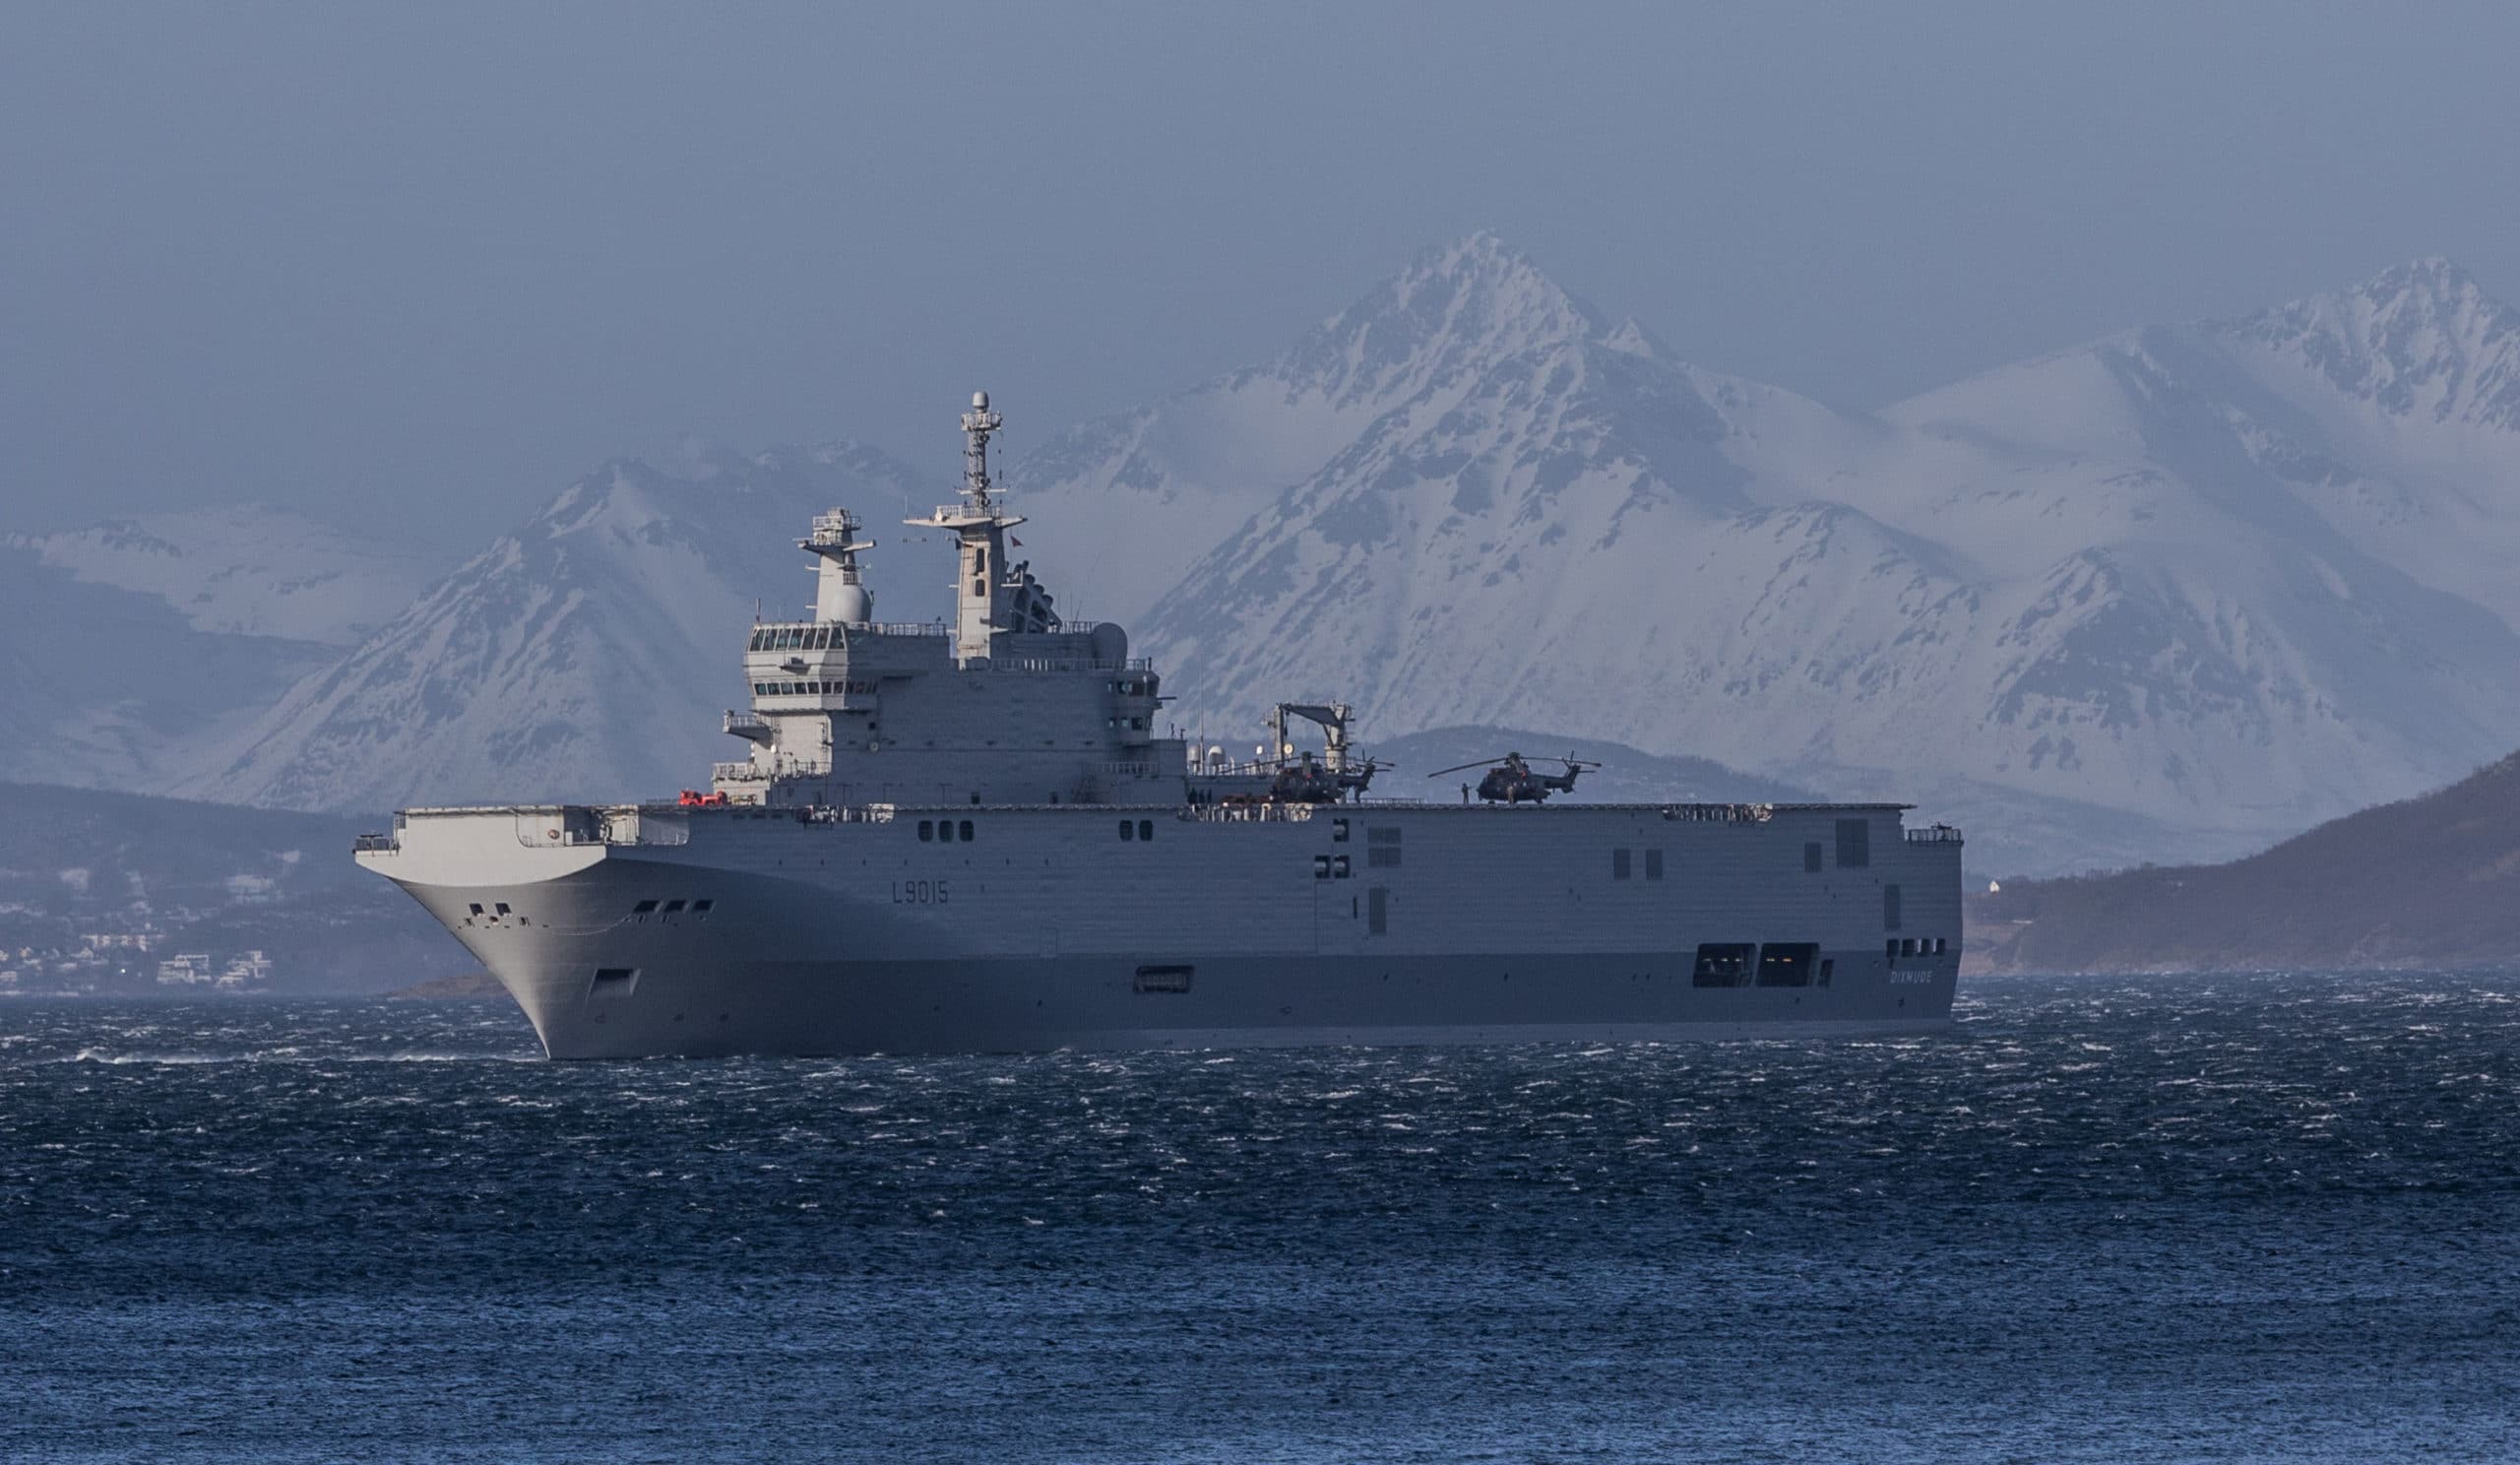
(968, 835)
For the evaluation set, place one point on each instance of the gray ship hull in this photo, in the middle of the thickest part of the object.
(806, 1009)
(790, 934)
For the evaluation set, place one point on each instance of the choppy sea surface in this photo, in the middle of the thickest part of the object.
(2217, 1217)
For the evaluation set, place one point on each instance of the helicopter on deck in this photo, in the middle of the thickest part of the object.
(1279, 774)
(1512, 781)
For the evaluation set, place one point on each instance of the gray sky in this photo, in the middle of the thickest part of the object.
(424, 264)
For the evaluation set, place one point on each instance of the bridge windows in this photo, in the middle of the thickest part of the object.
(792, 638)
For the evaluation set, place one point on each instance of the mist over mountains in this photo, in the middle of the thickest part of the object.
(2169, 595)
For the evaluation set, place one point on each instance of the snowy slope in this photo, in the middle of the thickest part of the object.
(244, 571)
(1124, 501)
(2129, 578)
(587, 655)
(2170, 592)
(124, 644)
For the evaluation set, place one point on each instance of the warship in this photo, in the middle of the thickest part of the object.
(973, 836)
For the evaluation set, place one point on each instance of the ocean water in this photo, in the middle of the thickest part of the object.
(2220, 1217)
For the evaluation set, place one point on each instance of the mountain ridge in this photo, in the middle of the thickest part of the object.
(2211, 582)
(2432, 881)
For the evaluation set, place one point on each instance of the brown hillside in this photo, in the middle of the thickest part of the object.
(2430, 882)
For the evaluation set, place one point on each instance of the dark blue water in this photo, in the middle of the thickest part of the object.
(2225, 1219)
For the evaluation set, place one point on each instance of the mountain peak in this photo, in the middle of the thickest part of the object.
(2420, 338)
(2434, 278)
(1455, 310)
(1481, 271)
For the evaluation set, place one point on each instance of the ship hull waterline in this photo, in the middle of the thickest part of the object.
(727, 993)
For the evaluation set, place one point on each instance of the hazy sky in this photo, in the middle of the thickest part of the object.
(424, 264)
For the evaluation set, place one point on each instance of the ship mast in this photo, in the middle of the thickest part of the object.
(981, 582)
(978, 424)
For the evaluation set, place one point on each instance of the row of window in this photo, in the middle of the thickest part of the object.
(944, 831)
(801, 688)
(791, 638)
(674, 906)
(1137, 829)
(1776, 964)
(1895, 947)
(1624, 866)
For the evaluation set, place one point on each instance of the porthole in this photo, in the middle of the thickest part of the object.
(926, 831)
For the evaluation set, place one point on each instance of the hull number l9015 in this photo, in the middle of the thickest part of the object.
(920, 893)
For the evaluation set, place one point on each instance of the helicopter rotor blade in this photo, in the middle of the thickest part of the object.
(1458, 767)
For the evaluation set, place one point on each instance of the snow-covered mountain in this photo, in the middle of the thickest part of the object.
(2200, 576)
(124, 645)
(586, 655)
(2170, 594)
(1123, 502)
(244, 571)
